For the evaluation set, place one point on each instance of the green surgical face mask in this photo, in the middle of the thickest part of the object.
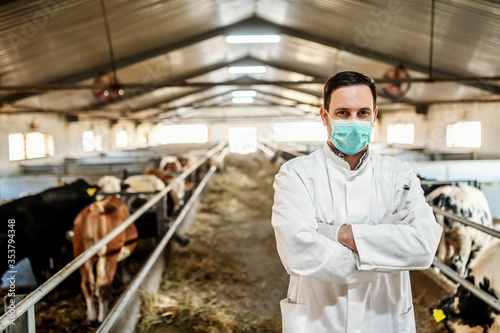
(350, 136)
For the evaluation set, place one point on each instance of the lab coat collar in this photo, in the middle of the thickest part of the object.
(341, 164)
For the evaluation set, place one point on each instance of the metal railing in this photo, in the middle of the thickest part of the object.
(66, 271)
(277, 153)
(489, 231)
(119, 308)
(273, 156)
(449, 272)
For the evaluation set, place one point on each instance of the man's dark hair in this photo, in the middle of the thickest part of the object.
(348, 78)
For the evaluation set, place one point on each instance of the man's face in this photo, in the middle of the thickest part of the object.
(351, 102)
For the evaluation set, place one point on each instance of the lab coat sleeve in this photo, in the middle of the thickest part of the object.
(303, 251)
(395, 247)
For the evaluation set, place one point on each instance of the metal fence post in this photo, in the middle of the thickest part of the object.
(160, 215)
(26, 322)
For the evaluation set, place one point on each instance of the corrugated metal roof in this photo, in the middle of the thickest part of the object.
(181, 42)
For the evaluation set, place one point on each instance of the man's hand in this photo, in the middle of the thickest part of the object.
(402, 217)
(346, 238)
(341, 233)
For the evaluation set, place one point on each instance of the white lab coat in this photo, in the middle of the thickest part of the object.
(333, 289)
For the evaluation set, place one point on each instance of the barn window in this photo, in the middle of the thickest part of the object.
(401, 133)
(464, 134)
(24, 146)
(121, 139)
(143, 138)
(300, 131)
(242, 140)
(91, 141)
(183, 134)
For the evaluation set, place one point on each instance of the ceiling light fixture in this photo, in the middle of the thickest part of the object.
(247, 69)
(244, 93)
(238, 39)
(242, 100)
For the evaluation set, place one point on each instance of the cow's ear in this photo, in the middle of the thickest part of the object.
(91, 191)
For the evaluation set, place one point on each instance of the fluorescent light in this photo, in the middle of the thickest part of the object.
(242, 100)
(244, 93)
(253, 39)
(247, 69)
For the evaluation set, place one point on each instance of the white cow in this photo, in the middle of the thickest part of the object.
(459, 241)
(144, 183)
(108, 184)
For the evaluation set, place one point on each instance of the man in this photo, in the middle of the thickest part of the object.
(346, 248)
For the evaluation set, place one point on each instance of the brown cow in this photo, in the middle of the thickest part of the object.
(164, 175)
(176, 194)
(92, 224)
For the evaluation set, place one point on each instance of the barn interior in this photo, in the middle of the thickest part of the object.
(101, 87)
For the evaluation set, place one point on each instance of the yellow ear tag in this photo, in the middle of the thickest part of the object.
(438, 315)
(91, 191)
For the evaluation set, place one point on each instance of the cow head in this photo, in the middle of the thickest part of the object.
(108, 184)
(66, 201)
(453, 238)
(81, 191)
(464, 312)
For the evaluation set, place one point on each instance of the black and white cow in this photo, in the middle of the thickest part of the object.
(464, 312)
(39, 223)
(459, 242)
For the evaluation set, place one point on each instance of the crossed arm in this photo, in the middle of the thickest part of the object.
(344, 235)
(357, 248)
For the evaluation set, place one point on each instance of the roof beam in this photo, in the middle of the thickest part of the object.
(296, 101)
(130, 60)
(204, 99)
(479, 82)
(483, 84)
(183, 83)
(140, 90)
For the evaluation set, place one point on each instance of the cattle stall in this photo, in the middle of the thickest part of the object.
(166, 307)
(67, 304)
(92, 89)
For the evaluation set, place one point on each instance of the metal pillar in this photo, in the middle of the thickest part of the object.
(23, 324)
